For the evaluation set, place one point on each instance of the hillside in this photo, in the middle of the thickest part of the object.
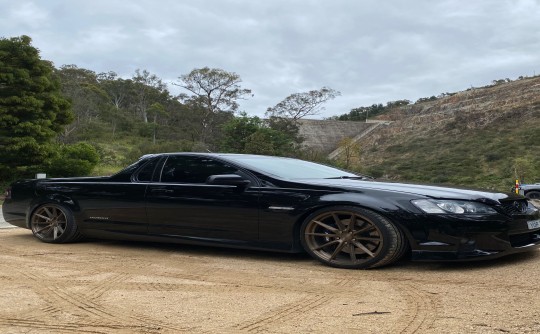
(481, 137)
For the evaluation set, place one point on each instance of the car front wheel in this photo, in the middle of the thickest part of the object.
(350, 237)
(54, 223)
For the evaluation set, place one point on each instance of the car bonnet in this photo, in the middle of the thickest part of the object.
(405, 188)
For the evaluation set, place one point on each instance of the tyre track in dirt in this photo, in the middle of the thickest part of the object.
(287, 314)
(420, 312)
(86, 307)
(282, 314)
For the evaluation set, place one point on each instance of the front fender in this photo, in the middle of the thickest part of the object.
(397, 210)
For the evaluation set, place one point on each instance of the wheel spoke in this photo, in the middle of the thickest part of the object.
(338, 249)
(365, 229)
(338, 221)
(57, 214)
(61, 229)
(328, 227)
(330, 235)
(352, 251)
(48, 212)
(43, 228)
(55, 232)
(326, 244)
(44, 217)
(364, 248)
(352, 223)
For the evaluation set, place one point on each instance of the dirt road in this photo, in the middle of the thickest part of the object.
(120, 287)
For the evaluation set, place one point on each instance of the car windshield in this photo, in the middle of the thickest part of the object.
(288, 168)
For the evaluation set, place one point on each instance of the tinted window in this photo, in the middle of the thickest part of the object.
(186, 169)
(125, 174)
(146, 173)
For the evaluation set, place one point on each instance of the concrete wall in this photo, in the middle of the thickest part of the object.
(324, 135)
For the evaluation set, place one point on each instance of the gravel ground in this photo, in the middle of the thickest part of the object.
(123, 287)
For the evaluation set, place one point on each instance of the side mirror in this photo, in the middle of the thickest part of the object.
(227, 180)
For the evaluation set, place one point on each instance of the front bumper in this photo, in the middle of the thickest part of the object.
(455, 237)
(475, 251)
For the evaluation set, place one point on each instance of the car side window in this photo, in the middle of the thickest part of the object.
(147, 171)
(191, 169)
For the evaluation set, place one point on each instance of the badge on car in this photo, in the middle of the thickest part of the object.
(533, 224)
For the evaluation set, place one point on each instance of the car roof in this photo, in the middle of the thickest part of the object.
(211, 154)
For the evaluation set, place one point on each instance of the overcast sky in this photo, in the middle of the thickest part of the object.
(372, 51)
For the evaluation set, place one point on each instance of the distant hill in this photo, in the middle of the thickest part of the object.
(481, 137)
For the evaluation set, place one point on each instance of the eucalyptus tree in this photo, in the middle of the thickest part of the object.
(300, 105)
(119, 93)
(213, 91)
(148, 89)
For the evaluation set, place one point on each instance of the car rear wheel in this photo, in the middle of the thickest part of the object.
(350, 237)
(54, 223)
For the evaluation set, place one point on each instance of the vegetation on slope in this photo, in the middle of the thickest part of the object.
(484, 139)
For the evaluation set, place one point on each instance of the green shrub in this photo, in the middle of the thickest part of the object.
(73, 160)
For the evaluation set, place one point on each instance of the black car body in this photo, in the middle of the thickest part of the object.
(283, 204)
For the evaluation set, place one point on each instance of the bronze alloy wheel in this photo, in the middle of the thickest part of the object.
(349, 237)
(53, 223)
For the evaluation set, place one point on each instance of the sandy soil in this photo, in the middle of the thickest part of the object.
(121, 287)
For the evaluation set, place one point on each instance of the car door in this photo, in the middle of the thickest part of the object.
(183, 204)
(117, 205)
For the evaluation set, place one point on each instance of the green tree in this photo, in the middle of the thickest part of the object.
(117, 91)
(287, 127)
(300, 105)
(213, 91)
(32, 109)
(350, 151)
(87, 102)
(246, 134)
(156, 110)
(269, 142)
(148, 89)
(237, 132)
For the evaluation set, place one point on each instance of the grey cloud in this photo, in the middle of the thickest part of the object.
(372, 51)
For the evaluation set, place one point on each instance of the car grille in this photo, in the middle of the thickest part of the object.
(515, 206)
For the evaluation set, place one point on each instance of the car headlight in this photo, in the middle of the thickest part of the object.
(452, 206)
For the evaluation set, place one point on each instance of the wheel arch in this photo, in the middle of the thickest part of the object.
(533, 190)
(58, 199)
(384, 213)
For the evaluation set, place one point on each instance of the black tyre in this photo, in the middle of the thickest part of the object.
(54, 223)
(533, 195)
(353, 238)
